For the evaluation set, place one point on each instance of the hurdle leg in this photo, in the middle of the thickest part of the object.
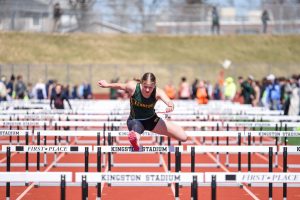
(45, 154)
(84, 185)
(63, 188)
(213, 188)
(98, 170)
(177, 168)
(284, 188)
(194, 188)
(55, 154)
(8, 170)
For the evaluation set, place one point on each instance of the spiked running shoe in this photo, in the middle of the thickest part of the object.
(133, 140)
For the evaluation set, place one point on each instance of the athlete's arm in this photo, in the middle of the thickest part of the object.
(160, 94)
(128, 87)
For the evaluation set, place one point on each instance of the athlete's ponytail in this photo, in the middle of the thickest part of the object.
(147, 76)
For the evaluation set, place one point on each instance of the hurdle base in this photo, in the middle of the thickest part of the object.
(77, 165)
(257, 165)
(136, 165)
(296, 185)
(198, 165)
(293, 166)
(21, 165)
(139, 184)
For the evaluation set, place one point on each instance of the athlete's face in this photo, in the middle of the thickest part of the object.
(58, 89)
(147, 88)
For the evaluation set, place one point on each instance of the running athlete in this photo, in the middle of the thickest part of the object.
(143, 97)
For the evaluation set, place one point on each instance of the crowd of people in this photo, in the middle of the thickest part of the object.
(15, 88)
(276, 93)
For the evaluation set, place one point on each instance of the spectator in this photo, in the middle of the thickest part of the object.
(57, 12)
(29, 94)
(39, 90)
(20, 88)
(273, 93)
(202, 95)
(75, 92)
(209, 89)
(256, 88)
(229, 89)
(67, 91)
(184, 89)
(86, 90)
(246, 89)
(3, 90)
(170, 90)
(265, 18)
(10, 88)
(194, 88)
(215, 27)
(294, 97)
(51, 87)
(217, 94)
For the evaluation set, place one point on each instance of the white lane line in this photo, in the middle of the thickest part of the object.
(4, 159)
(46, 170)
(225, 169)
(166, 170)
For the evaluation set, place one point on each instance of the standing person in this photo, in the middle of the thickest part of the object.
(215, 21)
(294, 97)
(143, 97)
(39, 90)
(184, 89)
(194, 88)
(20, 87)
(217, 94)
(256, 88)
(57, 12)
(10, 88)
(265, 18)
(3, 90)
(202, 96)
(58, 97)
(229, 89)
(246, 89)
(170, 90)
(273, 93)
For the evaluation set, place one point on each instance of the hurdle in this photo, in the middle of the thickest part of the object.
(291, 150)
(42, 178)
(46, 149)
(26, 124)
(143, 149)
(276, 125)
(38, 149)
(139, 179)
(250, 178)
(123, 123)
(13, 133)
(232, 149)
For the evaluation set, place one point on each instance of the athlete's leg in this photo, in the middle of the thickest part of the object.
(170, 129)
(135, 128)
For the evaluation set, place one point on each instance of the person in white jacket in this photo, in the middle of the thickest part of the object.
(39, 90)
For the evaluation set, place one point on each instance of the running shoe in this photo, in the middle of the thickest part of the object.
(133, 140)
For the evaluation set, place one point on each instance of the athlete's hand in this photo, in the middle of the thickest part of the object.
(170, 107)
(102, 83)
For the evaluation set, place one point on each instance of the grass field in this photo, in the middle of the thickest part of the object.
(169, 57)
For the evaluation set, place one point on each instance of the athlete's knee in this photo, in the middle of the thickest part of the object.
(137, 127)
